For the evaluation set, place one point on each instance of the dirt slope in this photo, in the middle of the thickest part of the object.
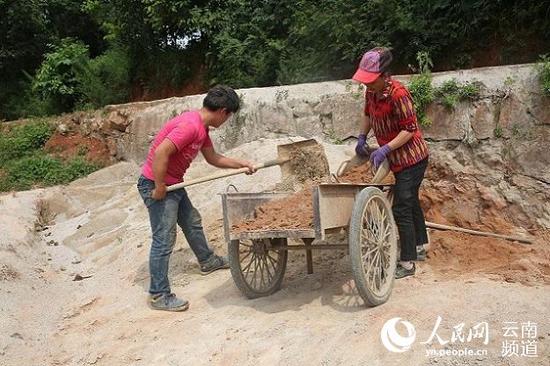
(98, 227)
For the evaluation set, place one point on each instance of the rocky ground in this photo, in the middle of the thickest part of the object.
(73, 279)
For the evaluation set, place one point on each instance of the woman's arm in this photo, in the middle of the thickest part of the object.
(365, 126)
(400, 140)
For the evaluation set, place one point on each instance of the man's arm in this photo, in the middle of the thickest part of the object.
(220, 161)
(160, 165)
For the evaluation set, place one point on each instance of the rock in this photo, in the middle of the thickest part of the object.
(540, 108)
(17, 335)
(63, 129)
(492, 197)
(79, 277)
(276, 118)
(514, 117)
(447, 125)
(308, 126)
(118, 121)
(111, 146)
(483, 119)
(532, 158)
(300, 108)
(340, 115)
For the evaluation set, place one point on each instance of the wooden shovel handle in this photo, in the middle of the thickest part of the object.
(224, 173)
(433, 225)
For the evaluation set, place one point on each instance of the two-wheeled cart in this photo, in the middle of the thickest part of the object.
(258, 258)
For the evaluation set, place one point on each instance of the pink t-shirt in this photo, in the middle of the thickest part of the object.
(189, 135)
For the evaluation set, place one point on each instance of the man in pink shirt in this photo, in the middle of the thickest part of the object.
(172, 151)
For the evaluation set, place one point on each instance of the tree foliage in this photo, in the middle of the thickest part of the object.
(149, 47)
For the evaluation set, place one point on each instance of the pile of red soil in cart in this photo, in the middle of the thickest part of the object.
(296, 210)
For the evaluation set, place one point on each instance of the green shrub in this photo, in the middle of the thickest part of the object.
(25, 103)
(470, 90)
(449, 100)
(104, 79)
(421, 88)
(24, 140)
(57, 77)
(452, 91)
(543, 67)
(78, 167)
(68, 79)
(422, 93)
(449, 87)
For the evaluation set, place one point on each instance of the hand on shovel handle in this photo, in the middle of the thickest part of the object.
(159, 192)
(247, 164)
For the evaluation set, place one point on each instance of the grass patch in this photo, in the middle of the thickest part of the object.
(24, 164)
(543, 68)
(452, 91)
(333, 138)
(40, 170)
(497, 132)
(24, 140)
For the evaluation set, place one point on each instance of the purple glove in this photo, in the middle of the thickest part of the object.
(379, 155)
(361, 144)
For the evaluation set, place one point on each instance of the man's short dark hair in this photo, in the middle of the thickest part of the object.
(221, 96)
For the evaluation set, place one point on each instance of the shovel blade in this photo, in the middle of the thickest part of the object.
(303, 160)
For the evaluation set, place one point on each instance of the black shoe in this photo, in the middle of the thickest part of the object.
(420, 253)
(401, 271)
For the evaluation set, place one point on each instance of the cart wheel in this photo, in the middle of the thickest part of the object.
(257, 266)
(373, 246)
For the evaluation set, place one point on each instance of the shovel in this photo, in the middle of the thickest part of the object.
(379, 175)
(285, 154)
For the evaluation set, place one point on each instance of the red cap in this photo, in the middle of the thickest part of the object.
(373, 64)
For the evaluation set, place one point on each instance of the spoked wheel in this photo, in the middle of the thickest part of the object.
(257, 266)
(373, 246)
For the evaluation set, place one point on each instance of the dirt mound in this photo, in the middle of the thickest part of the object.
(460, 200)
(292, 212)
(453, 254)
(74, 144)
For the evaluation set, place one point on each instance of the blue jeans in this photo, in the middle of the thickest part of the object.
(175, 208)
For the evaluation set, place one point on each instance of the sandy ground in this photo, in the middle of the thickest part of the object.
(98, 227)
